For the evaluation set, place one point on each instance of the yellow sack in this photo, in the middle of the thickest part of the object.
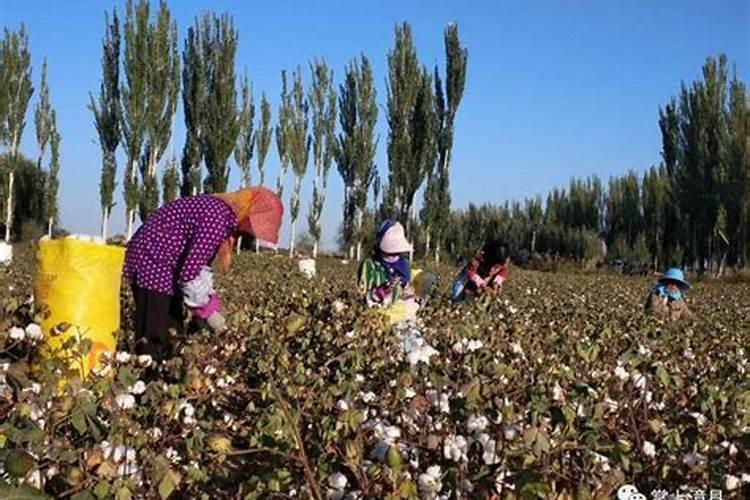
(78, 284)
(402, 310)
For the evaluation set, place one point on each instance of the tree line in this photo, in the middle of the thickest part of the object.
(693, 209)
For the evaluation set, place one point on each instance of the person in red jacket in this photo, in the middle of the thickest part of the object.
(487, 271)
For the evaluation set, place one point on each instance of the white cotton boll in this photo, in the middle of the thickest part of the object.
(459, 347)
(409, 393)
(621, 373)
(189, 421)
(337, 481)
(611, 404)
(125, 401)
(745, 478)
(429, 482)
(34, 331)
(17, 333)
(155, 433)
(489, 449)
(359, 378)
(455, 448)
(122, 357)
(511, 432)
(138, 388)
(732, 450)
(557, 392)
(342, 405)
(477, 423)
(516, 348)
(145, 360)
(172, 455)
(700, 419)
(639, 380)
(731, 482)
(649, 449)
(391, 433)
(644, 351)
(34, 479)
(369, 397)
(338, 306)
(209, 370)
(474, 345)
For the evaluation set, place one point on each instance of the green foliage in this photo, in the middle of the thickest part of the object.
(171, 182)
(263, 136)
(322, 98)
(106, 111)
(282, 132)
(245, 148)
(356, 146)
(221, 124)
(413, 126)
(193, 105)
(16, 89)
(298, 143)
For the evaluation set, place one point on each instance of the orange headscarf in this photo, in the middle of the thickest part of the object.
(259, 212)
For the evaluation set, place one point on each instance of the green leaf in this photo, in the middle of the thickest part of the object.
(102, 490)
(18, 463)
(166, 486)
(83, 495)
(663, 376)
(78, 418)
(8, 492)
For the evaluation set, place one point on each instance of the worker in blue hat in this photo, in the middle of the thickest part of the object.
(667, 298)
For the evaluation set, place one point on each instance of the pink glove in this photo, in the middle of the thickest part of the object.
(206, 311)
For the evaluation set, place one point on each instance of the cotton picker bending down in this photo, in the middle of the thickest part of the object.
(167, 260)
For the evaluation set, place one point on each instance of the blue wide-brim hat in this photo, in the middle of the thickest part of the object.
(675, 275)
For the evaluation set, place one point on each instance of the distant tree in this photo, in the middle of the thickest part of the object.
(134, 99)
(53, 176)
(263, 136)
(17, 89)
(322, 98)
(171, 181)
(162, 91)
(245, 148)
(221, 125)
(737, 185)
(281, 133)
(355, 151)
(106, 111)
(298, 144)
(437, 194)
(42, 122)
(193, 105)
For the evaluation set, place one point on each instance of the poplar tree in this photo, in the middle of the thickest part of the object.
(221, 125)
(355, 152)
(162, 90)
(281, 134)
(106, 113)
(171, 181)
(17, 90)
(134, 98)
(42, 122)
(298, 143)
(193, 105)
(263, 136)
(322, 97)
(53, 176)
(245, 148)
(437, 194)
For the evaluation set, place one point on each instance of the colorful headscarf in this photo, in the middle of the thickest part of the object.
(259, 213)
(395, 265)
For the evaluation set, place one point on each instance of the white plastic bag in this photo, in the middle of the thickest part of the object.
(307, 267)
(6, 253)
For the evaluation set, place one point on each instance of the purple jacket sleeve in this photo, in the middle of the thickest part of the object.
(202, 247)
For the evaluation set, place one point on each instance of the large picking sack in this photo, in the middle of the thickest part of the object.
(78, 287)
(6, 253)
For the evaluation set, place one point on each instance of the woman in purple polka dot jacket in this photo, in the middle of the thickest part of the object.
(167, 262)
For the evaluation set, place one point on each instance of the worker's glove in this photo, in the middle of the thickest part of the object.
(217, 322)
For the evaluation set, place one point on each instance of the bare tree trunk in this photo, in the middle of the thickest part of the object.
(105, 223)
(437, 253)
(351, 252)
(315, 249)
(49, 228)
(239, 244)
(291, 241)
(257, 245)
(427, 243)
(9, 204)
(533, 242)
(195, 190)
(359, 251)
(131, 222)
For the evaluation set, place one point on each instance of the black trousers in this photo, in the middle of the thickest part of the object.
(155, 314)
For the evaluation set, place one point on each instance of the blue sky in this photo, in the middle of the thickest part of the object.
(554, 89)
